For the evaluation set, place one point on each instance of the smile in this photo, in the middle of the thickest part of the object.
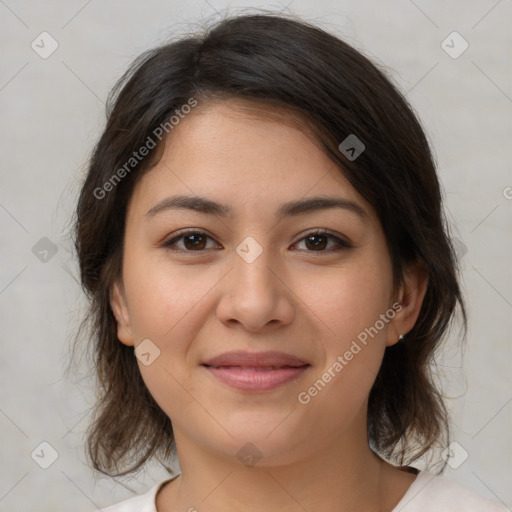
(255, 379)
(261, 371)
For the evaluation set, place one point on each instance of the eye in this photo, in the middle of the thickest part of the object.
(196, 241)
(317, 241)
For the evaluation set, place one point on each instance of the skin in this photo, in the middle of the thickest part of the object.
(295, 298)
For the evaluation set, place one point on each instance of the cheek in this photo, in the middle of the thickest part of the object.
(169, 305)
(354, 308)
(163, 296)
(349, 301)
(337, 391)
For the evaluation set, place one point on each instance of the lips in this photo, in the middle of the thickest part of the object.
(255, 371)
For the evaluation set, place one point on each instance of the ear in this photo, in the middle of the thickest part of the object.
(120, 310)
(410, 297)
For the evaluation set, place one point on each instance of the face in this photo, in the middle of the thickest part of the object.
(262, 320)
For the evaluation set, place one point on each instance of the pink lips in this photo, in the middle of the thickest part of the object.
(255, 371)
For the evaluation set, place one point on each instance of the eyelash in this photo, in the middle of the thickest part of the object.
(342, 244)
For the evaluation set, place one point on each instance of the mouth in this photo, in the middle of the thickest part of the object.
(256, 371)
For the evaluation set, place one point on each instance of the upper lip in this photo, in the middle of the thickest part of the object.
(255, 360)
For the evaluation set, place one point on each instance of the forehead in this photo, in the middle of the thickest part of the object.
(242, 152)
(237, 129)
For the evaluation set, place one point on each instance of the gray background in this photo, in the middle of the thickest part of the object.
(52, 112)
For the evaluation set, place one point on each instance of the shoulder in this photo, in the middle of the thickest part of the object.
(141, 503)
(431, 493)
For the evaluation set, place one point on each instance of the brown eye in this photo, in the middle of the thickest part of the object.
(193, 241)
(318, 242)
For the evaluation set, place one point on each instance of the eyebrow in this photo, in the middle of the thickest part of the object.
(292, 208)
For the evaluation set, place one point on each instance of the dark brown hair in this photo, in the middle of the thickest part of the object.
(297, 67)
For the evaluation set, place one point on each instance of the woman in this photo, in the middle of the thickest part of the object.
(261, 237)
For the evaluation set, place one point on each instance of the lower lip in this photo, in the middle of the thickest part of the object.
(251, 379)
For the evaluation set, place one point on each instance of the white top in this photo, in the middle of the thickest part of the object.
(428, 493)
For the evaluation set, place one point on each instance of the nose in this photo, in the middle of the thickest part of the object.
(255, 293)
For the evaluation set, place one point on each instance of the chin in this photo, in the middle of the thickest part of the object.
(258, 439)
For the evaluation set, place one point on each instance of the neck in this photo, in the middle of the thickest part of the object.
(343, 476)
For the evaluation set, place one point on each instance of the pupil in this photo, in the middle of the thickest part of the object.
(196, 241)
(320, 244)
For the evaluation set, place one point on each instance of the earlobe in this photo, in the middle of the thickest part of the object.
(410, 298)
(120, 310)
